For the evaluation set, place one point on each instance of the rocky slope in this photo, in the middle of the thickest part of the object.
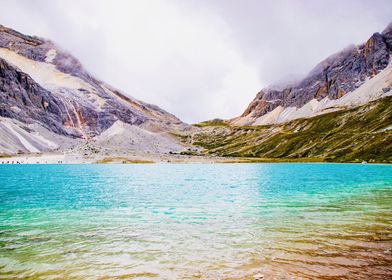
(352, 77)
(358, 134)
(48, 101)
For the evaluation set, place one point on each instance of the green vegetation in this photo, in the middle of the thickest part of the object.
(352, 135)
(214, 122)
(5, 156)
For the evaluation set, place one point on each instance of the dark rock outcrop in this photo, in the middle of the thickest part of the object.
(23, 99)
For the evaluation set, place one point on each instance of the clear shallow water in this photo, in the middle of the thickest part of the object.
(196, 221)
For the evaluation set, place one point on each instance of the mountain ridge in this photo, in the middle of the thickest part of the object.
(50, 104)
(332, 78)
(42, 84)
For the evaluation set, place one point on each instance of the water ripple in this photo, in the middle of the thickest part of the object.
(234, 221)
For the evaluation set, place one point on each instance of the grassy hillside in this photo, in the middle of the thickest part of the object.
(352, 135)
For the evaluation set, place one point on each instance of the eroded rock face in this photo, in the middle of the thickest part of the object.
(23, 99)
(333, 78)
(39, 82)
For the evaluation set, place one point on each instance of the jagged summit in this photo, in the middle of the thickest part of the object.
(335, 77)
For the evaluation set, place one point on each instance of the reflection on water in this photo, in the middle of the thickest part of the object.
(217, 221)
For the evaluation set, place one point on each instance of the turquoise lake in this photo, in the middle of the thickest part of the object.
(196, 221)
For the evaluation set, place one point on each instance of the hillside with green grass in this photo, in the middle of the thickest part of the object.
(352, 135)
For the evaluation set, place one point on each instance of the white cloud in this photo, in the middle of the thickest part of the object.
(196, 59)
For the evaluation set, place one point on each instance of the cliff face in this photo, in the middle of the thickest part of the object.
(333, 78)
(23, 99)
(42, 84)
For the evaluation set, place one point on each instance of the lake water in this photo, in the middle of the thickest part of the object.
(196, 221)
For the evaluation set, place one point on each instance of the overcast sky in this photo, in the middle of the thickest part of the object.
(198, 59)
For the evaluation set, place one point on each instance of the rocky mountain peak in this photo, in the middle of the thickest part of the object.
(334, 77)
(42, 84)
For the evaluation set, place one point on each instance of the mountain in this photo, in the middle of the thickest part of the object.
(340, 112)
(48, 101)
(50, 104)
(350, 78)
(357, 134)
